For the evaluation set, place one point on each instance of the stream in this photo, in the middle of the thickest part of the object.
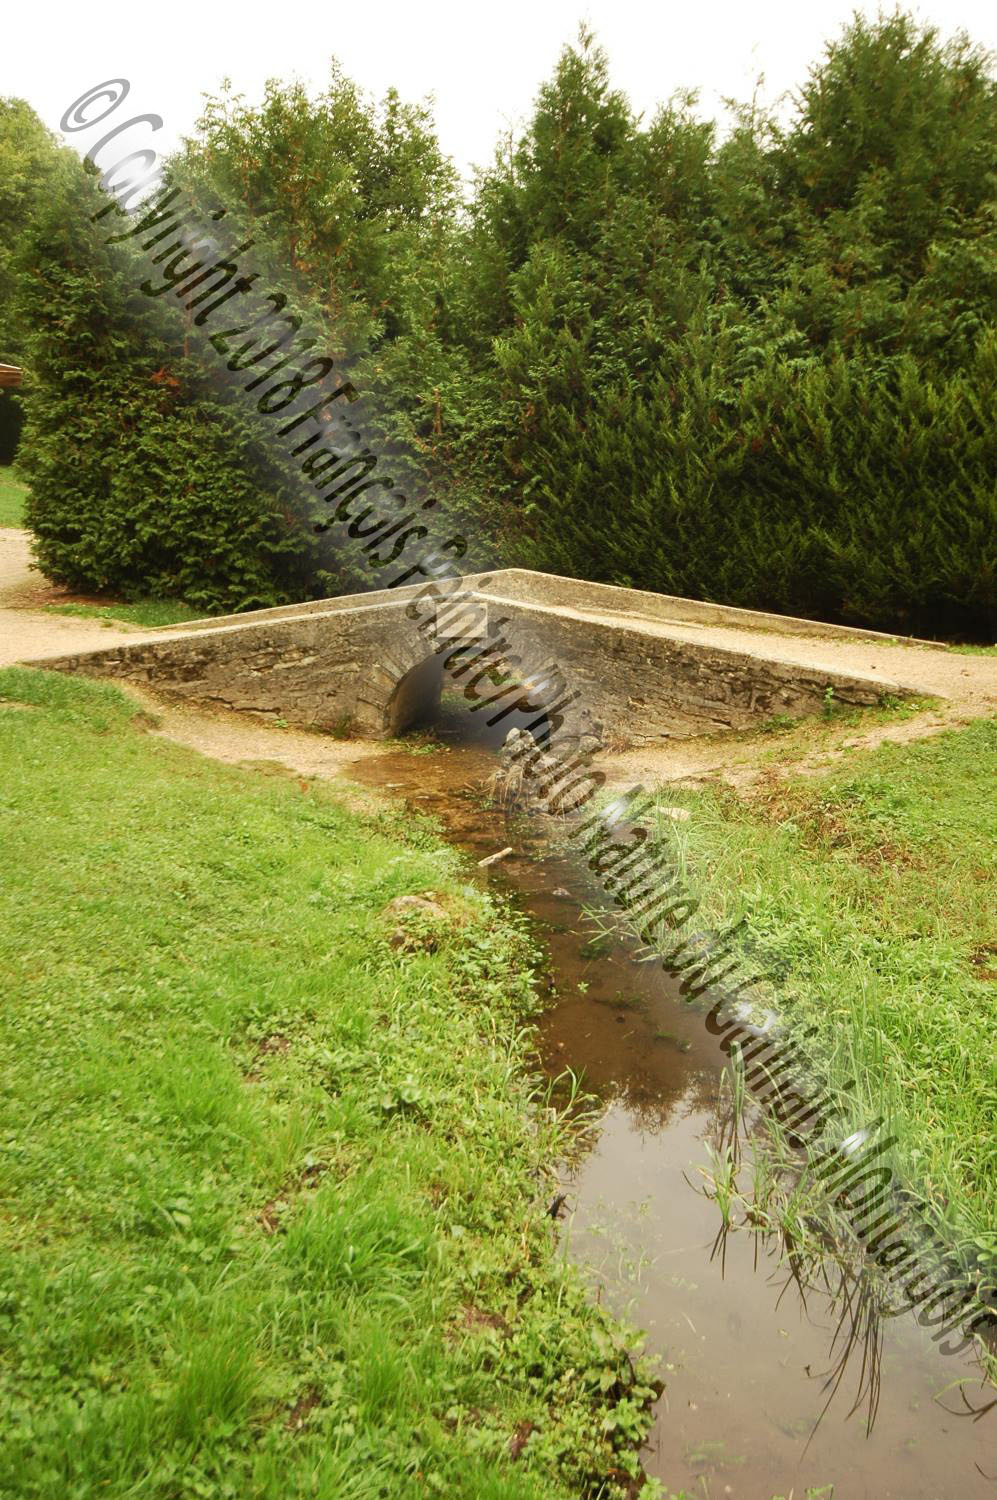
(749, 1365)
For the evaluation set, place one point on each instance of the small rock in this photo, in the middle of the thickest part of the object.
(423, 906)
(561, 894)
(679, 814)
(428, 914)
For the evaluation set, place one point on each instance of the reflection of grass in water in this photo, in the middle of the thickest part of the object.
(620, 1001)
(786, 1207)
(712, 1454)
(782, 1207)
(681, 1042)
(607, 1254)
(599, 946)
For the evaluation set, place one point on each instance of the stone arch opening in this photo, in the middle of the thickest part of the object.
(415, 700)
(428, 698)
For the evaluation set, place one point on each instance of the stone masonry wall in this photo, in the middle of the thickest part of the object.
(340, 669)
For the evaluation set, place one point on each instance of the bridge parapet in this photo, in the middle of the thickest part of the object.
(370, 664)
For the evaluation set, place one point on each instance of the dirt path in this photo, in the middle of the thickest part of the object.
(239, 740)
(27, 633)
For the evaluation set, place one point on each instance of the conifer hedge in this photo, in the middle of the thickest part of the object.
(757, 369)
(837, 491)
(144, 479)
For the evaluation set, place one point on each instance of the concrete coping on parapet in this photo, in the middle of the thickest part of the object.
(565, 600)
(551, 591)
(338, 604)
(253, 621)
(528, 587)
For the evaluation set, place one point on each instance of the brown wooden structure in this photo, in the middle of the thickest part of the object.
(9, 375)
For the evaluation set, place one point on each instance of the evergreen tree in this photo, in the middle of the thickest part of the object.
(143, 479)
(28, 158)
(757, 369)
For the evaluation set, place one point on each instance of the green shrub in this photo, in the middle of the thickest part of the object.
(144, 480)
(836, 490)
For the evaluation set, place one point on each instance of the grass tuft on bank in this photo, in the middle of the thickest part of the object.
(868, 891)
(273, 1188)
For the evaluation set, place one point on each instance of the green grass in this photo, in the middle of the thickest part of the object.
(148, 612)
(975, 650)
(820, 731)
(273, 1189)
(12, 497)
(869, 896)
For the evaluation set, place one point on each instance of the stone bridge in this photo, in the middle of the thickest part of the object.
(638, 667)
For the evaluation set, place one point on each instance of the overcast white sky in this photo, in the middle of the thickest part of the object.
(483, 64)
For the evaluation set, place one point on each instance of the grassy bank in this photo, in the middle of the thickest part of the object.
(12, 497)
(273, 1179)
(869, 894)
(148, 612)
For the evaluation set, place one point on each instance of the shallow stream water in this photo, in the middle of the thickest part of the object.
(750, 1367)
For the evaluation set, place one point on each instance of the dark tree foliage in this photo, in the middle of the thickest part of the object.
(28, 157)
(758, 369)
(143, 479)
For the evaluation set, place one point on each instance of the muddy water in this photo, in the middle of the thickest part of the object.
(750, 1367)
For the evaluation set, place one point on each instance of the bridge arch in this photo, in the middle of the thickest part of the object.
(415, 699)
(400, 691)
(405, 691)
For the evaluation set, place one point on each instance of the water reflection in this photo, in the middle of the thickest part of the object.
(855, 1303)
